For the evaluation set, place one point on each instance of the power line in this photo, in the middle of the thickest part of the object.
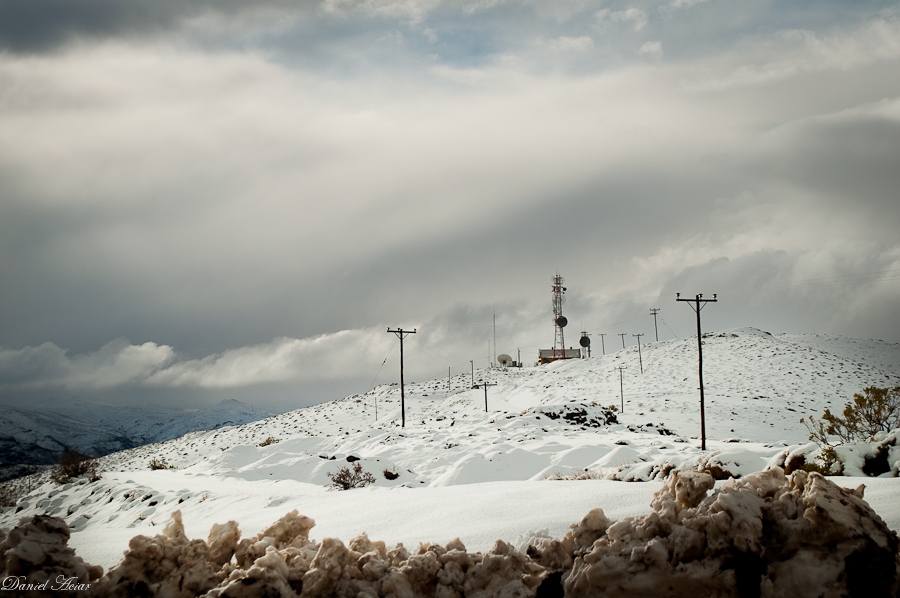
(372, 385)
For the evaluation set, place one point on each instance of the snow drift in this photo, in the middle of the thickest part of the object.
(765, 535)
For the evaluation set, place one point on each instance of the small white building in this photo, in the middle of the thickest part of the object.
(548, 355)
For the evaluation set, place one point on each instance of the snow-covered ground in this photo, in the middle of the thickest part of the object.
(462, 472)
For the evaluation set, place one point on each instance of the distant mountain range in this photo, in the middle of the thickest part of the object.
(36, 436)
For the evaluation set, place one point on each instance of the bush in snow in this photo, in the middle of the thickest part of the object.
(73, 464)
(345, 478)
(6, 497)
(875, 410)
(390, 475)
(159, 463)
(268, 441)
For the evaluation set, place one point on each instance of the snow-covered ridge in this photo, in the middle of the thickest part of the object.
(542, 423)
(758, 386)
(37, 435)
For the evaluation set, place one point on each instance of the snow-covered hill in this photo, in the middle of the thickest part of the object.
(542, 422)
(37, 435)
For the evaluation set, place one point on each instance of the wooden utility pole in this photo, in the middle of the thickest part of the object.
(602, 344)
(699, 303)
(654, 311)
(640, 359)
(485, 385)
(401, 334)
(621, 368)
(622, 334)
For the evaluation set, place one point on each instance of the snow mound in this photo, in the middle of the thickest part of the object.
(35, 557)
(765, 535)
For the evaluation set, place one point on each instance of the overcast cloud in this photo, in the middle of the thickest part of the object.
(251, 196)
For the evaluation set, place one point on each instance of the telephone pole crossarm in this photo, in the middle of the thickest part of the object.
(401, 334)
(698, 303)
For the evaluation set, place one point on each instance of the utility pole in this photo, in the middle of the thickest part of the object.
(472, 362)
(621, 368)
(401, 334)
(448, 381)
(485, 385)
(640, 359)
(699, 303)
(519, 354)
(602, 344)
(622, 334)
(495, 338)
(654, 311)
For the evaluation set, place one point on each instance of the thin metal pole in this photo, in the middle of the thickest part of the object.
(602, 344)
(400, 334)
(402, 390)
(640, 359)
(700, 355)
(473, 372)
(621, 388)
(654, 311)
(698, 300)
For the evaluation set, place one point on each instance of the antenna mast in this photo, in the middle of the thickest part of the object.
(559, 320)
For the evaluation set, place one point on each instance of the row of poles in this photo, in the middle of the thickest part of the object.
(696, 304)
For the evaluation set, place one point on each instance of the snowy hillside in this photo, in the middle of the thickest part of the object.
(39, 434)
(542, 422)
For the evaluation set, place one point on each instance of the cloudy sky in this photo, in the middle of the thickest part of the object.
(217, 199)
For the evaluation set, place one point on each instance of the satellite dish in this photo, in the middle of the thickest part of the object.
(585, 341)
(561, 321)
(504, 360)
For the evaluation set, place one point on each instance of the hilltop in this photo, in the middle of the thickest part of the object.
(547, 422)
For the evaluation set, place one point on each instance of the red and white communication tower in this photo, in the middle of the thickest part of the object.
(559, 320)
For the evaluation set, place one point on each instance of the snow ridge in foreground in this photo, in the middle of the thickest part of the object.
(765, 535)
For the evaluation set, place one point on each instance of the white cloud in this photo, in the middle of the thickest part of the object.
(414, 11)
(121, 364)
(635, 16)
(795, 52)
(572, 44)
(652, 49)
(676, 4)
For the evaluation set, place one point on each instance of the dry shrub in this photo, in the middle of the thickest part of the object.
(6, 497)
(159, 463)
(268, 441)
(73, 464)
(875, 410)
(345, 479)
(391, 475)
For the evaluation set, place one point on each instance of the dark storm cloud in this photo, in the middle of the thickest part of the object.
(46, 25)
(228, 197)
